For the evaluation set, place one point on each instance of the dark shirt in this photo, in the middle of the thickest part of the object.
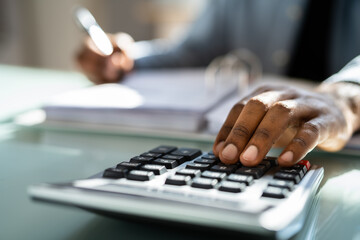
(311, 54)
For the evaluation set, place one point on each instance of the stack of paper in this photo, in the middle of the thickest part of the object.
(165, 99)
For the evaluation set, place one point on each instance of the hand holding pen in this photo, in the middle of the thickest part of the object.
(102, 57)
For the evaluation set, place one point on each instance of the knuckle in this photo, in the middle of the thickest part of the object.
(226, 128)
(281, 107)
(312, 128)
(257, 104)
(237, 107)
(263, 88)
(266, 87)
(241, 132)
(263, 133)
(301, 141)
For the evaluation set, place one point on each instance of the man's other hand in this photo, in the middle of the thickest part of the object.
(106, 69)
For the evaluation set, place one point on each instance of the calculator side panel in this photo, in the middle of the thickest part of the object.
(125, 204)
(266, 224)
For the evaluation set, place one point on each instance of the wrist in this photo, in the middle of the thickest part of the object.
(346, 95)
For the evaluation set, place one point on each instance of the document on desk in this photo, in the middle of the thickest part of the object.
(157, 99)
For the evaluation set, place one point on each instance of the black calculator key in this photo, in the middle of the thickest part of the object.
(211, 153)
(261, 167)
(115, 173)
(255, 172)
(179, 159)
(153, 155)
(246, 179)
(273, 161)
(275, 192)
(129, 165)
(156, 169)
(282, 184)
(287, 176)
(209, 156)
(189, 172)
(178, 180)
(228, 169)
(291, 170)
(188, 153)
(141, 159)
(199, 166)
(266, 164)
(169, 164)
(234, 187)
(206, 161)
(163, 149)
(140, 175)
(215, 175)
(205, 183)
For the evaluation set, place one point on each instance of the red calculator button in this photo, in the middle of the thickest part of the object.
(305, 163)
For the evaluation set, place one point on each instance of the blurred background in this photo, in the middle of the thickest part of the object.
(42, 33)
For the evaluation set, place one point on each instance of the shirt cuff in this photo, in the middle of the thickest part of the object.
(350, 73)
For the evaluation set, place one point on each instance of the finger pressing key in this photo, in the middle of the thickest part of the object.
(272, 126)
(226, 128)
(231, 119)
(305, 140)
(248, 121)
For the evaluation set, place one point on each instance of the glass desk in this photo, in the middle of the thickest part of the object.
(30, 156)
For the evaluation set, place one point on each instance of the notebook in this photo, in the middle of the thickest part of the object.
(156, 99)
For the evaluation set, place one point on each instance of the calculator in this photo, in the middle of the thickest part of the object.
(193, 187)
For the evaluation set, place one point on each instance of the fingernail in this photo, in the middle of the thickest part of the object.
(219, 147)
(250, 153)
(287, 157)
(230, 152)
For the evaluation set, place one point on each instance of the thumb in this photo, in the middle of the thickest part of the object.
(123, 41)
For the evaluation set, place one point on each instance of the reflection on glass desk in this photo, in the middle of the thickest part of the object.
(31, 156)
(24, 88)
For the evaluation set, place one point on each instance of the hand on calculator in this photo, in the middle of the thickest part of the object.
(297, 119)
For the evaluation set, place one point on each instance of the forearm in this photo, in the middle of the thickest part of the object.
(344, 89)
(347, 98)
(346, 86)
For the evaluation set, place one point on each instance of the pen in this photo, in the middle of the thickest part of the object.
(87, 22)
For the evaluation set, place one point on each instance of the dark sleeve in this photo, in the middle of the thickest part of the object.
(204, 41)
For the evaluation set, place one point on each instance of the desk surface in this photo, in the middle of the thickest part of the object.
(36, 156)
(31, 156)
(26, 88)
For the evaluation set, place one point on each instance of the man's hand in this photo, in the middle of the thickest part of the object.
(106, 69)
(297, 119)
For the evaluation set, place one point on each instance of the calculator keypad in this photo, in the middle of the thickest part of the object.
(205, 183)
(187, 167)
(189, 172)
(140, 175)
(169, 164)
(187, 153)
(156, 169)
(178, 180)
(214, 175)
(246, 179)
(234, 187)
(198, 166)
(228, 169)
(115, 173)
